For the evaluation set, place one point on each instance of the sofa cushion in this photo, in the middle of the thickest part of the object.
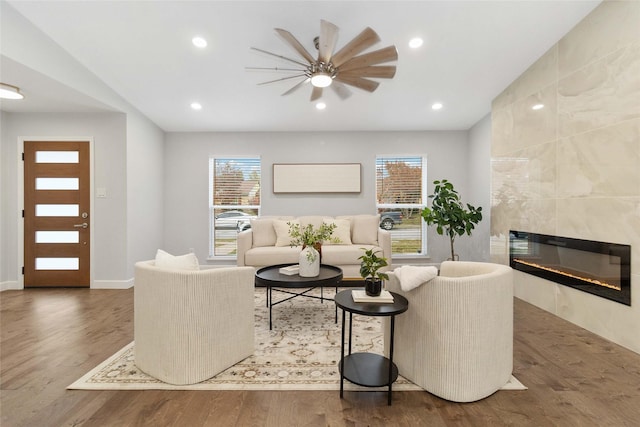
(167, 261)
(364, 229)
(272, 255)
(345, 254)
(281, 227)
(342, 232)
(314, 220)
(263, 233)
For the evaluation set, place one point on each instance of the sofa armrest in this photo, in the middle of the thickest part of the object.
(384, 241)
(245, 241)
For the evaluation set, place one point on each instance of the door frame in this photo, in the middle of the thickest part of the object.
(20, 182)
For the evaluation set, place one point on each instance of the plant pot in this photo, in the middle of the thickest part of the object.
(373, 287)
(309, 262)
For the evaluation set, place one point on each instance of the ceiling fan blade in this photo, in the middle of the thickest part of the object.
(380, 56)
(328, 39)
(340, 89)
(279, 56)
(359, 82)
(282, 79)
(296, 87)
(316, 93)
(379, 71)
(294, 43)
(362, 41)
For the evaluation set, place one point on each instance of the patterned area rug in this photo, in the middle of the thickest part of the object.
(300, 353)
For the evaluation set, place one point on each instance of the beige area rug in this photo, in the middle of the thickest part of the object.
(300, 353)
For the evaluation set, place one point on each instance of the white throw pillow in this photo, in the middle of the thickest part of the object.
(171, 262)
(341, 232)
(283, 238)
(263, 233)
(365, 229)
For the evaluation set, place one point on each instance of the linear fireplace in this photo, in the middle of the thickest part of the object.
(599, 268)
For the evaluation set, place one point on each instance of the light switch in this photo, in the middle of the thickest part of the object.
(101, 192)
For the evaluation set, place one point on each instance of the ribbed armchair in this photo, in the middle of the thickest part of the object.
(191, 325)
(456, 338)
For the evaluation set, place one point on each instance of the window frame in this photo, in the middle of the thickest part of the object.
(380, 158)
(213, 207)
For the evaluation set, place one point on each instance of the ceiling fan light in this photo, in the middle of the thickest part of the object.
(321, 80)
(10, 92)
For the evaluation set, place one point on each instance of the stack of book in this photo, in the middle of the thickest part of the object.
(290, 270)
(360, 295)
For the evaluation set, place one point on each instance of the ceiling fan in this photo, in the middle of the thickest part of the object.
(335, 69)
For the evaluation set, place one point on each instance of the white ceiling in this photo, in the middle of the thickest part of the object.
(143, 51)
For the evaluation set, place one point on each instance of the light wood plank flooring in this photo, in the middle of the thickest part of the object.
(51, 337)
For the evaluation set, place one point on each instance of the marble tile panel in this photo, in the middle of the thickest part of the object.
(518, 125)
(534, 290)
(612, 219)
(601, 94)
(539, 75)
(609, 27)
(524, 215)
(601, 163)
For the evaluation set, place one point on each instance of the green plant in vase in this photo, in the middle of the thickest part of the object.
(449, 214)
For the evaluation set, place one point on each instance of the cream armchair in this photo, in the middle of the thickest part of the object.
(456, 338)
(191, 325)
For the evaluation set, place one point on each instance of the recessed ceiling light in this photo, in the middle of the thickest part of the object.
(196, 106)
(415, 43)
(437, 106)
(538, 107)
(321, 105)
(199, 42)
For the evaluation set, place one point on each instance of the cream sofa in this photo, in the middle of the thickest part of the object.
(192, 324)
(267, 242)
(456, 338)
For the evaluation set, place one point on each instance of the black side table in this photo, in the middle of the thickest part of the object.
(367, 369)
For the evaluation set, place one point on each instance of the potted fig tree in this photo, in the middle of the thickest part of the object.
(370, 266)
(449, 214)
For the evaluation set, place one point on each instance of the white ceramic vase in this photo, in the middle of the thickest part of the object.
(309, 262)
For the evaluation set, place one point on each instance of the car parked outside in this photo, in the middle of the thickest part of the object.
(390, 219)
(233, 220)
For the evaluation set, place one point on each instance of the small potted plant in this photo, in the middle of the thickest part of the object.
(370, 266)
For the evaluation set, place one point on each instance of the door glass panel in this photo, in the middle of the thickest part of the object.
(57, 210)
(57, 183)
(57, 157)
(57, 237)
(57, 263)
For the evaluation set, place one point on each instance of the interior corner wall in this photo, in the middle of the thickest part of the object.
(187, 174)
(110, 226)
(4, 191)
(572, 168)
(479, 137)
(145, 190)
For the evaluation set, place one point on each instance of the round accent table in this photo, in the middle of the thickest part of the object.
(367, 369)
(272, 279)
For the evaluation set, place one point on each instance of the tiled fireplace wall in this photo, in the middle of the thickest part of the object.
(572, 168)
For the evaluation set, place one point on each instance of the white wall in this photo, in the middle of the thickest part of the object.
(186, 176)
(480, 185)
(145, 203)
(108, 133)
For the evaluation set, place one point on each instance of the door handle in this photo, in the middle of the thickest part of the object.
(83, 225)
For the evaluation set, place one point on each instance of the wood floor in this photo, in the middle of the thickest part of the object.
(51, 337)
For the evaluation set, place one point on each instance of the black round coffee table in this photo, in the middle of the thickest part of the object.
(271, 278)
(367, 369)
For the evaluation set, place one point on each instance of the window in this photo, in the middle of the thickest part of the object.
(400, 197)
(234, 199)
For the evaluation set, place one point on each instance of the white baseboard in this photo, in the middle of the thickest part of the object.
(112, 284)
(9, 286)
